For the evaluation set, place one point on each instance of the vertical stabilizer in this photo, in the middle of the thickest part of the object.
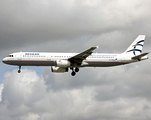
(137, 46)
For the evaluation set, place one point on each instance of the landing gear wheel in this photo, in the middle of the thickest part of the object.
(73, 73)
(19, 71)
(76, 69)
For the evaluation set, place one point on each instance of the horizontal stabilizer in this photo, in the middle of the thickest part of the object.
(139, 56)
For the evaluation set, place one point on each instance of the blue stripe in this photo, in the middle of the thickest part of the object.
(140, 41)
(135, 50)
(137, 44)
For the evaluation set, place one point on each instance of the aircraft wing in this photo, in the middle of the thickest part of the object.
(81, 56)
(139, 56)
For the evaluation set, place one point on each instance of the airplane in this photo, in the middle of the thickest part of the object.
(62, 62)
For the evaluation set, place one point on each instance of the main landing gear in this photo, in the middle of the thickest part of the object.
(73, 73)
(19, 69)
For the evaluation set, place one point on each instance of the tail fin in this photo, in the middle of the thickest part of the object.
(137, 46)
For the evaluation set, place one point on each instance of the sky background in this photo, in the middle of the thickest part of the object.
(116, 93)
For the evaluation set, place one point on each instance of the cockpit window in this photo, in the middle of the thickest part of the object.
(10, 56)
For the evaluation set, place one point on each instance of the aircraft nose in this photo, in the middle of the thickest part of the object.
(4, 60)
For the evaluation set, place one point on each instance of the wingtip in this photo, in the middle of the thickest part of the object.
(97, 46)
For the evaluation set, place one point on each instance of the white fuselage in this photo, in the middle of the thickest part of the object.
(49, 59)
(61, 62)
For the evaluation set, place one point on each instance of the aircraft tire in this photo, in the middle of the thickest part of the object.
(73, 73)
(76, 69)
(19, 71)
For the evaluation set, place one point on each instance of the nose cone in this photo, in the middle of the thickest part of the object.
(4, 60)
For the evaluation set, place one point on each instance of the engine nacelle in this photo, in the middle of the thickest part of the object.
(63, 63)
(58, 69)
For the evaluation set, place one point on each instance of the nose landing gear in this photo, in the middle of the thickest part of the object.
(19, 69)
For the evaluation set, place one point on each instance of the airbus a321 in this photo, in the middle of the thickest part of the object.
(62, 62)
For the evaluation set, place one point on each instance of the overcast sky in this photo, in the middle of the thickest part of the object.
(116, 93)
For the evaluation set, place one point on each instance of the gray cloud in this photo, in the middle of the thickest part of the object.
(26, 23)
(29, 96)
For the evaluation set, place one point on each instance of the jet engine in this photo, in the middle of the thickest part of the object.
(59, 69)
(63, 63)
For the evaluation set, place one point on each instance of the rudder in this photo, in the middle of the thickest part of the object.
(137, 46)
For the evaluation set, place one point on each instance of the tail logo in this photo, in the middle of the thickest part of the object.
(134, 49)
